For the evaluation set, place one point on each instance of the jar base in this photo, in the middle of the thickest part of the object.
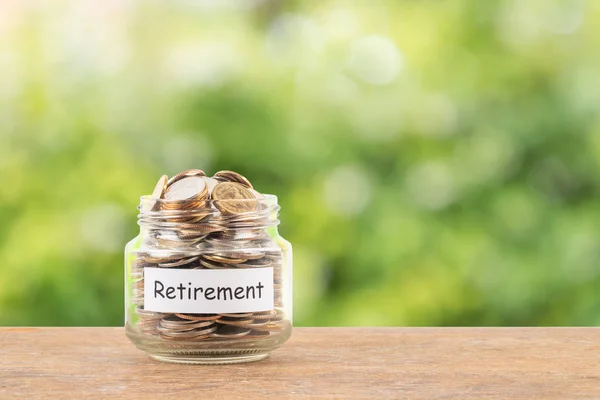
(219, 351)
(207, 359)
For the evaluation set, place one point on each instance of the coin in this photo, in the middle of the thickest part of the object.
(192, 334)
(236, 315)
(271, 314)
(262, 317)
(213, 265)
(262, 263)
(257, 323)
(149, 314)
(222, 259)
(199, 317)
(257, 194)
(253, 334)
(230, 331)
(157, 194)
(184, 174)
(164, 256)
(249, 255)
(231, 176)
(199, 229)
(167, 238)
(161, 186)
(186, 189)
(211, 183)
(241, 234)
(270, 327)
(233, 198)
(177, 263)
(234, 321)
(183, 324)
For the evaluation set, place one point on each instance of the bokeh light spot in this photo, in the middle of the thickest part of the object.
(102, 228)
(431, 185)
(375, 59)
(347, 190)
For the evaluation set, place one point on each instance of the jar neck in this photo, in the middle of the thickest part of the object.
(183, 224)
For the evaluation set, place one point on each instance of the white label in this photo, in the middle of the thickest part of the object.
(208, 291)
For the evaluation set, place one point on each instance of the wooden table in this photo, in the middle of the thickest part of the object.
(317, 363)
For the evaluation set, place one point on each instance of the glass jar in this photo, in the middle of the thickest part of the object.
(206, 286)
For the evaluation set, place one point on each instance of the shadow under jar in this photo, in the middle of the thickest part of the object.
(210, 283)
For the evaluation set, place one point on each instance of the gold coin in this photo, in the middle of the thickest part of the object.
(270, 327)
(268, 312)
(234, 321)
(199, 317)
(185, 326)
(236, 315)
(155, 258)
(198, 229)
(221, 259)
(267, 315)
(231, 176)
(233, 198)
(211, 265)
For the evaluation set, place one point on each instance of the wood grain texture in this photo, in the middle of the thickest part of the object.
(317, 363)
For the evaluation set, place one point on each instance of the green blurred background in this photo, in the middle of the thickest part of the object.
(436, 161)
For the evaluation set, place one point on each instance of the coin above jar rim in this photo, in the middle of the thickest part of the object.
(232, 176)
(234, 198)
(185, 174)
(211, 183)
(185, 189)
(157, 194)
(161, 187)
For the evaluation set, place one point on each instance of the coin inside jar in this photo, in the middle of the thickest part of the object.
(227, 331)
(233, 198)
(199, 317)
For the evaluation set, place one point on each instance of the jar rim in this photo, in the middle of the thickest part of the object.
(208, 215)
(266, 199)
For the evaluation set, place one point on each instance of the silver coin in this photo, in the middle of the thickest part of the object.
(187, 334)
(186, 189)
(184, 325)
(210, 183)
(178, 263)
(230, 331)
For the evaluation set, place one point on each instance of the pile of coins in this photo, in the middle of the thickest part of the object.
(199, 222)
